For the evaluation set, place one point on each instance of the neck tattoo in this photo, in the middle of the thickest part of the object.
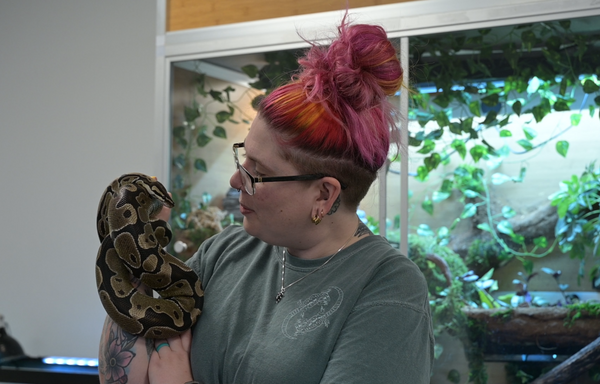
(285, 287)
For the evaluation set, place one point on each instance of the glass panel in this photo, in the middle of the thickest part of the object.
(212, 108)
(498, 119)
(505, 185)
(209, 114)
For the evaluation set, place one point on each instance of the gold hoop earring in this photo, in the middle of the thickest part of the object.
(317, 218)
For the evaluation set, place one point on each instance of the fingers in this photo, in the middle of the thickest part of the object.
(182, 342)
(186, 340)
(163, 344)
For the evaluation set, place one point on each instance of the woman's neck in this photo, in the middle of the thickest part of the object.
(330, 236)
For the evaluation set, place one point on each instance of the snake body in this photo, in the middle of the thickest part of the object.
(133, 244)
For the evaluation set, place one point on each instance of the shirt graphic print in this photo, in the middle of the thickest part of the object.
(312, 313)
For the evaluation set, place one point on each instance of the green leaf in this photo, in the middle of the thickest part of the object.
(459, 146)
(534, 84)
(203, 139)
(424, 230)
(216, 95)
(227, 91)
(179, 161)
(455, 128)
(485, 227)
(435, 134)
(541, 242)
(500, 178)
(442, 119)
(220, 132)
(528, 36)
(561, 105)
(469, 210)
(575, 119)
(597, 100)
(470, 193)
(490, 118)
(443, 100)
(505, 133)
(516, 107)
(453, 376)
(491, 100)
(526, 144)
(538, 113)
(478, 151)
(200, 80)
(428, 146)
(467, 124)
(589, 86)
(432, 161)
(200, 165)
(530, 133)
(563, 86)
(521, 177)
(427, 205)
(422, 173)
(508, 212)
(191, 113)
(447, 185)
(475, 108)
(527, 266)
(562, 147)
(178, 182)
(251, 70)
(438, 196)
(505, 227)
(179, 131)
(566, 24)
(223, 116)
(413, 142)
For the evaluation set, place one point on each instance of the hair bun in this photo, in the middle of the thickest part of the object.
(366, 67)
(360, 68)
(337, 104)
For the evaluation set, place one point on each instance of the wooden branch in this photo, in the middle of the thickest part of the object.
(573, 367)
(541, 328)
(441, 264)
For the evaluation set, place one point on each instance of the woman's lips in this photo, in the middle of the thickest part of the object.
(245, 210)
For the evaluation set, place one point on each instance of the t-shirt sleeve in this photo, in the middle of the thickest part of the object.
(388, 337)
(204, 261)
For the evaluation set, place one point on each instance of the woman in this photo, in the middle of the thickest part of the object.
(304, 292)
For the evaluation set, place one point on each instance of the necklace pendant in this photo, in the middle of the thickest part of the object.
(279, 296)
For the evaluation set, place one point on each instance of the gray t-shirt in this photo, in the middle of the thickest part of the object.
(362, 318)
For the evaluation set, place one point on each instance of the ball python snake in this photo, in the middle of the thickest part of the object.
(133, 242)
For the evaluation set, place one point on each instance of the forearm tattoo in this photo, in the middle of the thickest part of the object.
(116, 354)
(362, 230)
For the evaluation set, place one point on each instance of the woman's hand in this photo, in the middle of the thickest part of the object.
(170, 361)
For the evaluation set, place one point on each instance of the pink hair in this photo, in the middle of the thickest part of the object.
(337, 105)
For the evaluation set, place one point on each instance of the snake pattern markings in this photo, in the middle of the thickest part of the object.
(133, 244)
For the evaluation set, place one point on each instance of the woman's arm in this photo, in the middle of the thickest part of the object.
(123, 357)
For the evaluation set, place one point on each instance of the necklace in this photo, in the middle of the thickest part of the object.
(284, 287)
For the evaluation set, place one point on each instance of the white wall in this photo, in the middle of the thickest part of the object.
(76, 110)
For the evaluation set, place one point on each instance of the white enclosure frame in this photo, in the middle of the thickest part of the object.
(400, 20)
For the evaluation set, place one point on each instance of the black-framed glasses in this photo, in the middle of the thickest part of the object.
(249, 181)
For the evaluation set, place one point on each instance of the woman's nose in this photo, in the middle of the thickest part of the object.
(236, 180)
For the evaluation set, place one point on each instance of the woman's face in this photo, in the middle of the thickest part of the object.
(278, 212)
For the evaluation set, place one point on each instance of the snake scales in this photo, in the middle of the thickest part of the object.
(132, 245)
